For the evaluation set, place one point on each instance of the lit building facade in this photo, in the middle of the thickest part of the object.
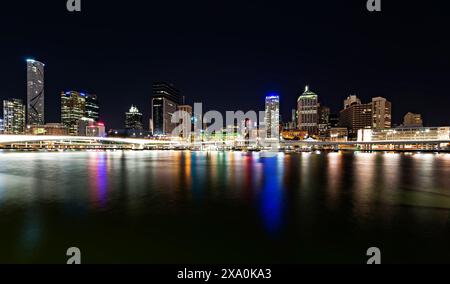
(382, 113)
(134, 119)
(83, 124)
(92, 109)
(355, 116)
(272, 117)
(308, 112)
(338, 134)
(73, 108)
(35, 92)
(2, 128)
(404, 134)
(165, 102)
(97, 129)
(49, 129)
(14, 116)
(294, 135)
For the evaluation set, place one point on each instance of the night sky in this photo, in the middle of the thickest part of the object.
(230, 54)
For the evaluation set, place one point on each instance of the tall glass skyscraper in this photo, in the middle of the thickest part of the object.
(165, 102)
(272, 118)
(73, 107)
(92, 107)
(133, 119)
(308, 112)
(13, 116)
(35, 92)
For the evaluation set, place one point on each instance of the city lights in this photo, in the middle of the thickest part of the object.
(360, 126)
(240, 135)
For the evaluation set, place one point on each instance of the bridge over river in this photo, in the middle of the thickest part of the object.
(64, 142)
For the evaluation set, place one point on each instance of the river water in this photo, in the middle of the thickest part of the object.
(224, 207)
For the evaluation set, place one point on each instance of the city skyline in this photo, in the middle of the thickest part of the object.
(166, 91)
(209, 134)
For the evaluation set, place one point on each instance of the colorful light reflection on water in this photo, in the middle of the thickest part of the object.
(223, 206)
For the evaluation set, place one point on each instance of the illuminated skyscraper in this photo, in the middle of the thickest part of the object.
(308, 112)
(355, 116)
(133, 119)
(35, 92)
(13, 116)
(73, 108)
(272, 118)
(165, 102)
(92, 107)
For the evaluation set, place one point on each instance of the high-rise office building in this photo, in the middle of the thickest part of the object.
(382, 113)
(35, 92)
(308, 112)
(355, 116)
(13, 116)
(92, 107)
(272, 118)
(73, 108)
(413, 120)
(165, 102)
(133, 119)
